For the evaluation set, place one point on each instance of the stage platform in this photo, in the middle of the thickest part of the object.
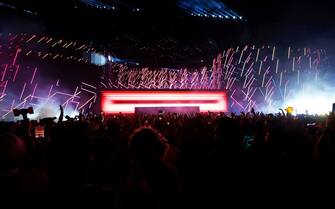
(128, 101)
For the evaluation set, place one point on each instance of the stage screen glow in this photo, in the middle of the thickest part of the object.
(113, 102)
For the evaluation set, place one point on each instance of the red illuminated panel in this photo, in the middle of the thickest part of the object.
(125, 101)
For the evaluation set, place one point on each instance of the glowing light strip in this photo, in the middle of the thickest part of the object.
(32, 78)
(16, 71)
(113, 102)
(4, 72)
(14, 60)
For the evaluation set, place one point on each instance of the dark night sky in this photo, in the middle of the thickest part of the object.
(282, 22)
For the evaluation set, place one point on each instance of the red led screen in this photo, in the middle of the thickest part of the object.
(126, 101)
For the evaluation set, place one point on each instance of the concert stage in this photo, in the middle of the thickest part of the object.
(156, 101)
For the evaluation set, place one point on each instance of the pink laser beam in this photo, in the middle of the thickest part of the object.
(16, 71)
(4, 72)
(32, 78)
(17, 52)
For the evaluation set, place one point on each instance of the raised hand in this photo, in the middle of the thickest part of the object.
(61, 109)
(61, 115)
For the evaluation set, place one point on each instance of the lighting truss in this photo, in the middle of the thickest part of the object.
(208, 8)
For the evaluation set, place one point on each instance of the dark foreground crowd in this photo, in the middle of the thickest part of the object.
(168, 160)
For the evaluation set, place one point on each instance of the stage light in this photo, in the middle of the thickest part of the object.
(113, 102)
(234, 17)
(138, 9)
(311, 105)
(109, 58)
(318, 100)
(208, 8)
(241, 17)
(227, 16)
(113, 8)
(96, 4)
(98, 59)
(289, 110)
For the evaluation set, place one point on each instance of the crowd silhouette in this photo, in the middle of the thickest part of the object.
(167, 160)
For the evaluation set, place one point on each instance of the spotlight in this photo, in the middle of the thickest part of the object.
(234, 17)
(138, 9)
(220, 16)
(289, 110)
(113, 7)
(109, 58)
(227, 16)
(241, 17)
(98, 59)
(316, 102)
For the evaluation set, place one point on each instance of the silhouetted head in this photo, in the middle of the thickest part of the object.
(146, 146)
(229, 134)
(12, 150)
